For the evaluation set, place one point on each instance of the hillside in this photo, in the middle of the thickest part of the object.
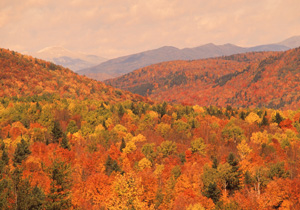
(260, 79)
(68, 142)
(122, 65)
(22, 75)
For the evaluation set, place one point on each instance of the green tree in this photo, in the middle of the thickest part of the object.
(167, 148)
(198, 146)
(72, 127)
(123, 145)
(22, 152)
(65, 143)
(148, 151)
(59, 196)
(111, 165)
(57, 132)
(212, 192)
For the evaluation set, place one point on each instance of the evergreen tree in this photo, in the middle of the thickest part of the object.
(234, 180)
(37, 199)
(21, 153)
(215, 163)
(212, 192)
(60, 187)
(111, 165)
(65, 143)
(278, 118)
(123, 145)
(56, 132)
(4, 158)
(121, 111)
(264, 121)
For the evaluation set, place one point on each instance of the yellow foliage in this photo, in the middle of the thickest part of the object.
(259, 137)
(139, 138)
(159, 169)
(144, 163)
(253, 118)
(243, 149)
(196, 206)
(130, 147)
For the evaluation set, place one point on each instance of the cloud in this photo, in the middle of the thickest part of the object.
(118, 27)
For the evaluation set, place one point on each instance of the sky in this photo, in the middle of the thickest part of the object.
(113, 28)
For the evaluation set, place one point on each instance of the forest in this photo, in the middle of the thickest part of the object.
(71, 147)
(256, 79)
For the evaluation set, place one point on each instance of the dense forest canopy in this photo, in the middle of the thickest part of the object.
(110, 149)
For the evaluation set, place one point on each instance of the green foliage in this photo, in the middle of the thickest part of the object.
(22, 152)
(59, 196)
(176, 171)
(111, 165)
(198, 146)
(65, 143)
(277, 170)
(72, 127)
(148, 151)
(212, 192)
(57, 132)
(123, 145)
(167, 148)
(6, 193)
(232, 133)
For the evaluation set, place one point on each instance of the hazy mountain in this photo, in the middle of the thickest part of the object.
(122, 65)
(292, 42)
(72, 60)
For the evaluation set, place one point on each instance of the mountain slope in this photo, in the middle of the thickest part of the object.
(122, 65)
(22, 75)
(69, 59)
(268, 79)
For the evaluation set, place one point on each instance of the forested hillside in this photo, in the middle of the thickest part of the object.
(22, 75)
(264, 79)
(65, 150)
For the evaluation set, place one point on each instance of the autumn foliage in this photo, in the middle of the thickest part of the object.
(97, 151)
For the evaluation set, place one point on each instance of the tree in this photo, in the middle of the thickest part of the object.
(65, 143)
(72, 127)
(167, 148)
(123, 145)
(59, 196)
(212, 192)
(235, 174)
(111, 165)
(56, 132)
(198, 146)
(22, 152)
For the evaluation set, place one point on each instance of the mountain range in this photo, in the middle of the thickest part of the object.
(125, 64)
(253, 79)
(67, 58)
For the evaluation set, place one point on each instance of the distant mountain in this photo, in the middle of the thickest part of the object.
(292, 42)
(122, 65)
(254, 79)
(69, 59)
(25, 76)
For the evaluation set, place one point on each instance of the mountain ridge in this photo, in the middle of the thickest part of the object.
(254, 79)
(125, 64)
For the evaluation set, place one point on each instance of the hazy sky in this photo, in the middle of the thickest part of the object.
(111, 28)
